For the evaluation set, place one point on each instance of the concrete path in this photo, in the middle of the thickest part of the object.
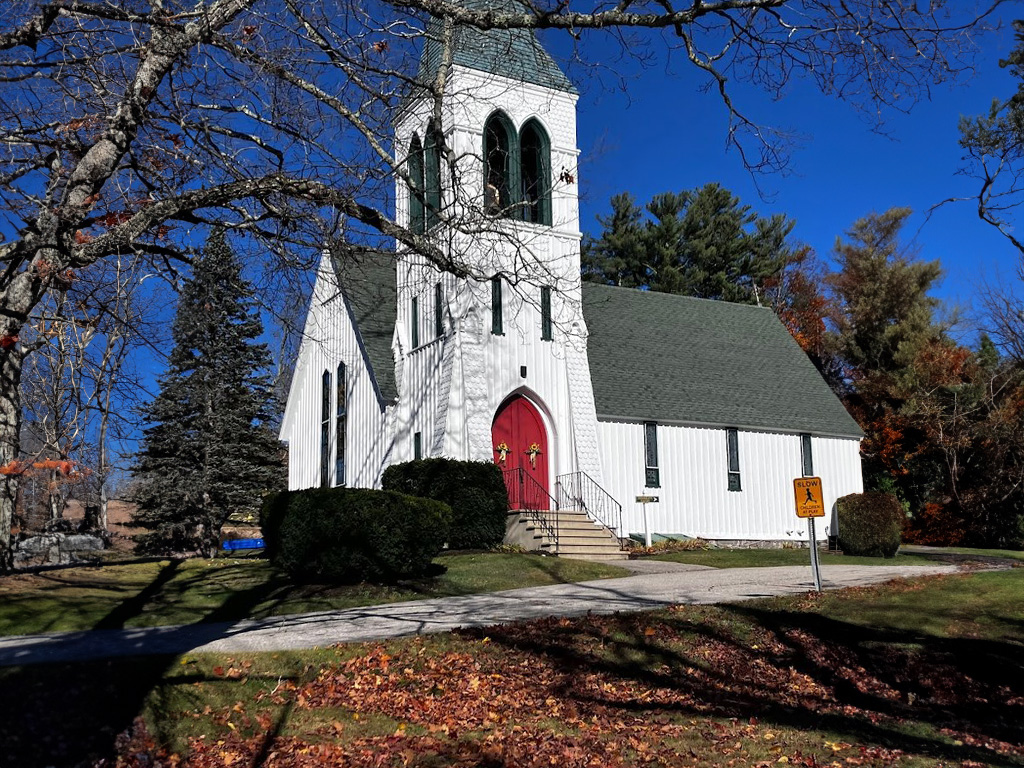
(682, 584)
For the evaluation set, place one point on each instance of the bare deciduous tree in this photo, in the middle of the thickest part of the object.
(127, 125)
(78, 390)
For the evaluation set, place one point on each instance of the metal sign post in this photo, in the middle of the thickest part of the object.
(810, 503)
(813, 543)
(645, 500)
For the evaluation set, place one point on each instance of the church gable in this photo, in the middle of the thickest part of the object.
(666, 358)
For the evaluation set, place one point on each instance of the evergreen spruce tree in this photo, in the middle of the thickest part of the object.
(701, 242)
(208, 452)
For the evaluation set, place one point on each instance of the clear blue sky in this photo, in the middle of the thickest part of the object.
(668, 135)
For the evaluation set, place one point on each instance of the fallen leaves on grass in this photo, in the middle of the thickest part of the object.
(632, 690)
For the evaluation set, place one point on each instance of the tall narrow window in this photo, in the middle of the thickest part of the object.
(417, 446)
(416, 186)
(325, 430)
(545, 313)
(732, 439)
(499, 148)
(806, 458)
(535, 173)
(652, 476)
(497, 326)
(432, 176)
(414, 322)
(340, 424)
(438, 311)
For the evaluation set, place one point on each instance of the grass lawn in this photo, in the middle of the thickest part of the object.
(922, 673)
(144, 594)
(1009, 554)
(752, 558)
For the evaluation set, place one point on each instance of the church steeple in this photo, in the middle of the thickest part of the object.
(513, 53)
(507, 120)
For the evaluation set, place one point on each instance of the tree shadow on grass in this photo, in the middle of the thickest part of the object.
(70, 713)
(949, 699)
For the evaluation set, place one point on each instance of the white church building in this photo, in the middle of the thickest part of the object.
(587, 396)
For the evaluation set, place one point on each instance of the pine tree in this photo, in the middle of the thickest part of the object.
(208, 452)
(619, 256)
(884, 321)
(700, 242)
(886, 312)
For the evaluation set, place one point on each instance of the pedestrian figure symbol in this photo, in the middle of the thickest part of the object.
(810, 497)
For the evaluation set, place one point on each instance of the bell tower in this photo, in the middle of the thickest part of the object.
(497, 182)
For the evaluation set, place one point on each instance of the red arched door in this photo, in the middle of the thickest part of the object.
(520, 445)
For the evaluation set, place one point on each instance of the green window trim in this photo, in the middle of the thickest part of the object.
(546, 331)
(501, 166)
(325, 430)
(417, 222)
(517, 170)
(497, 320)
(438, 311)
(652, 475)
(535, 173)
(806, 456)
(340, 424)
(432, 177)
(414, 322)
(732, 442)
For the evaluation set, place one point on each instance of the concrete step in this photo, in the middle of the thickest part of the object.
(599, 557)
(578, 535)
(582, 549)
(578, 525)
(597, 539)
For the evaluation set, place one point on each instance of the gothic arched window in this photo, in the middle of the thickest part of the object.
(499, 164)
(340, 424)
(432, 163)
(535, 173)
(325, 430)
(416, 187)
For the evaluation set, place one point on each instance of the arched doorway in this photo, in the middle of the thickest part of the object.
(520, 446)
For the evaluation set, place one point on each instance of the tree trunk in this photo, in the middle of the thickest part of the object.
(10, 427)
(56, 497)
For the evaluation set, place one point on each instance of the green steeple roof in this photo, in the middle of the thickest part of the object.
(512, 53)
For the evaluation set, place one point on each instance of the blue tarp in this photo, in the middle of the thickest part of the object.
(243, 544)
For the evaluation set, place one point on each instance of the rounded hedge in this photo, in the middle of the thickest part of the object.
(475, 491)
(348, 535)
(870, 524)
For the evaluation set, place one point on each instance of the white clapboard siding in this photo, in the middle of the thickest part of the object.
(694, 499)
(328, 339)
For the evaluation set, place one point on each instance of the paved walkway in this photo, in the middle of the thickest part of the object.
(656, 588)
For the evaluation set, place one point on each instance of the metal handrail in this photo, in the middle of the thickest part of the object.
(529, 497)
(579, 491)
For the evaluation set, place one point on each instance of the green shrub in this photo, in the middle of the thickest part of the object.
(346, 535)
(870, 524)
(475, 490)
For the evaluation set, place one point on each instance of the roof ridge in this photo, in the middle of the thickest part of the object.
(682, 296)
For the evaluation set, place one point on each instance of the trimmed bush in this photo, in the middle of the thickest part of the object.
(347, 535)
(870, 524)
(475, 490)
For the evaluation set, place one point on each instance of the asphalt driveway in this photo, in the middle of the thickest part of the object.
(654, 585)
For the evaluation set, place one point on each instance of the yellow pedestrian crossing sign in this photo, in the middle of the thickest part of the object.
(810, 501)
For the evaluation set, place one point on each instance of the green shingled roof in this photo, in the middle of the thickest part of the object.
(368, 281)
(512, 53)
(660, 357)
